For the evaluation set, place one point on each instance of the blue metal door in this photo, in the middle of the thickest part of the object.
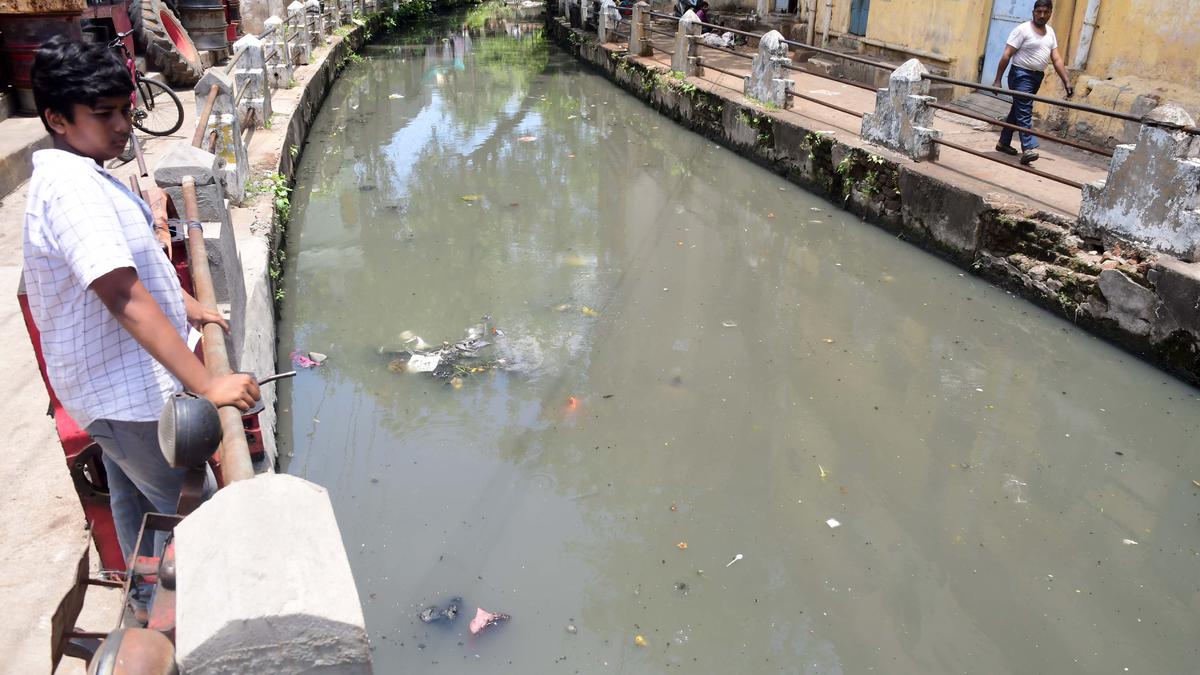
(858, 16)
(1006, 15)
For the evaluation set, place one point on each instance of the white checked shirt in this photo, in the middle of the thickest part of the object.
(80, 224)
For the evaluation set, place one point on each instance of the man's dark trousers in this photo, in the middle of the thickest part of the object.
(1021, 114)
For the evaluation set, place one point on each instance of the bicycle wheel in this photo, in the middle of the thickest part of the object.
(158, 111)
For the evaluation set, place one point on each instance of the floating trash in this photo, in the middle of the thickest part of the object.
(453, 362)
(832, 523)
(395, 96)
(639, 640)
(305, 359)
(485, 619)
(729, 324)
(471, 198)
(735, 559)
(433, 613)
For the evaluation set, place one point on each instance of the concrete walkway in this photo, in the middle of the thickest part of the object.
(998, 182)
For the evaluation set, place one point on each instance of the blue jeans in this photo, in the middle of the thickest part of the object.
(139, 482)
(1021, 114)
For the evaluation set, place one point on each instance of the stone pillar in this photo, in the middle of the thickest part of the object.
(335, 14)
(639, 31)
(1152, 192)
(251, 78)
(224, 121)
(279, 61)
(302, 43)
(260, 595)
(603, 25)
(316, 22)
(585, 11)
(766, 81)
(686, 59)
(182, 159)
(762, 8)
(563, 8)
(903, 120)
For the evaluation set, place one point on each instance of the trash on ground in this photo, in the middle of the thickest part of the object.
(735, 559)
(832, 523)
(305, 359)
(724, 40)
(485, 619)
(433, 613)
(639, 640)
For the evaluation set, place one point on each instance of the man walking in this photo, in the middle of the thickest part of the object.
(1031, 46)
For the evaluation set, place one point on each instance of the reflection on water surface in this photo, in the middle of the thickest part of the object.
(703, 355)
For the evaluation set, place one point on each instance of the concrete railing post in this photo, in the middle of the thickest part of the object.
(902, 120)
(251, 79)
(602, 21)
(766, 81)
(228, 129)
(298, 17)
(585, 11)
(279, 62)
(206, 169)
(639, 31)
(686, 59)
(1152, 192)
(316, 22)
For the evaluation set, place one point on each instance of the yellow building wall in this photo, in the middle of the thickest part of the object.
(953, 28)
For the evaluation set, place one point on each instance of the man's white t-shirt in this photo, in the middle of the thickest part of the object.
(80, 224)
(1033, 50)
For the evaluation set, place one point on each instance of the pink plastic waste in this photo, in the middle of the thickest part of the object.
(302, 360)
(484, 619)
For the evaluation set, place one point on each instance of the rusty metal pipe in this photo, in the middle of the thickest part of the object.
(1021, 167)
(235, 454)
(202, 123)
(1006, 125)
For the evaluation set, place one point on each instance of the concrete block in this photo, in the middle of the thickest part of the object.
(1178, 287)
(1132, 306)
(639, 33)
(903, 120)
(183, 159)
(253, 325)
(210, 201)
(687, 32)
(267, 595)
(1152, 192)
(766, 81)
(950, 218)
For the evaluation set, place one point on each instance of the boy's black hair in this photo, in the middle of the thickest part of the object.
(1048, 4)
(66, 72)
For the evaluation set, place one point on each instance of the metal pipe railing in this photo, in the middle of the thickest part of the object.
(1005, 125)
(235, 453)
(1023, 167)
(237, 56)
(202, 121)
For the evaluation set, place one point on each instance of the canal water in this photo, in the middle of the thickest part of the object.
(733, 420)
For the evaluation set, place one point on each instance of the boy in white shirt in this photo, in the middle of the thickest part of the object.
(1031, 47)
(112, 316)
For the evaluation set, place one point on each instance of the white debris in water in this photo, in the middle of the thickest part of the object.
(1129, 542)
(832, 523)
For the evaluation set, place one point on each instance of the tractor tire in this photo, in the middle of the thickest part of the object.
(167, 46)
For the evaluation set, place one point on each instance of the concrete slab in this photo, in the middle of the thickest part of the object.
(267, 595)
(19, 138)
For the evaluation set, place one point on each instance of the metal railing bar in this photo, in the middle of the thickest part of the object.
(726, 50)
(1040, 134)
(848, 83)
(827, 104)
(1022, 167)
(661, 32)
(237, 56)
(1034, 97)
(719, 70)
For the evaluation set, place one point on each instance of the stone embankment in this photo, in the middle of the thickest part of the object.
(1142, 299)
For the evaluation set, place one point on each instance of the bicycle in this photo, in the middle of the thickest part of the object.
(156, 109)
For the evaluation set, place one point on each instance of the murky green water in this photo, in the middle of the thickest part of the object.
(752, 363)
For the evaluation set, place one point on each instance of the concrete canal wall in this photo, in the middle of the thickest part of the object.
(1145, 301)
